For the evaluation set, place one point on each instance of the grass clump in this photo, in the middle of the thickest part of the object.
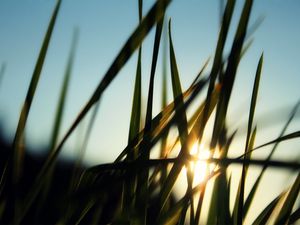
(139, 189)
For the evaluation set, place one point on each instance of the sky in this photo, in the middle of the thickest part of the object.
(104, 27)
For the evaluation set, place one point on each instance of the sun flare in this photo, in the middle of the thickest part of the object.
(199, 167)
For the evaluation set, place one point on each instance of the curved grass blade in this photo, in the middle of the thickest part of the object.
(289, 202)
(264, 216)
(163, 121)
(255, 186)
(155, 14)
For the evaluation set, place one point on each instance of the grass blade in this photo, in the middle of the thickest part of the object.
(264, 216)
(230, 72)
(142, 183)
(255, 186)
(155, 14)
(289, 202)
(240, 199)
(30, 94)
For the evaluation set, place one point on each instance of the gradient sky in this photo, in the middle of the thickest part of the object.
(104, 27)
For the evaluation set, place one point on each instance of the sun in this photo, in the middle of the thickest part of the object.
(200, 166)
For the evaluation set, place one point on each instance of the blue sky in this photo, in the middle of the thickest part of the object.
(104, 27)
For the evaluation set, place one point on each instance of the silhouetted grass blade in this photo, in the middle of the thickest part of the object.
(289, 202)
(155, 14)
(264, 216)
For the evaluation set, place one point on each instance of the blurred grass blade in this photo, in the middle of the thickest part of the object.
(255, 186)
(219, 211)
(63, 93)
(217, 63)
(58, 117)
(30, 94)
(155, 14)
(294, 217)
(289, 202)
(172, 177)
(230, 73)
(18, 152)
(239, 214)
(143, 177)
(264, 216)
(181, 122)
(289, 136)
(135, 120)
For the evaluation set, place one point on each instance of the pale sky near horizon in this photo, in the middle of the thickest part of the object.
(104, 27)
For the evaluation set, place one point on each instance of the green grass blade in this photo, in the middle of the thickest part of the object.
(219, 211)
(255, 186)
(289, 202)
(240, 199)
(143, 177)
(230, 73)
(30, 94)
(155, 14)
(63, 93)
(217, 63)
(168, 185)
(264, 216)
(289, 136)
(135, 120)
(181, 123)
(18, 152)
(59, 116)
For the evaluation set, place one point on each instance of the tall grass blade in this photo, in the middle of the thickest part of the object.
(30, 94)
(240, 199)
(264, 216)
(217, 63)
(255, 186)
(168, 185)
(18, 152)
(289, 202)
(219, 211)
(135, 120)
(230, 72)
(181, 122)
(142, 183)
(59, 116)
(155, 14)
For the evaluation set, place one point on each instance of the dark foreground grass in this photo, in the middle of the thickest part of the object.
(136, 189)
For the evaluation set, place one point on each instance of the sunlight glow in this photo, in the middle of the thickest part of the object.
(199, 167)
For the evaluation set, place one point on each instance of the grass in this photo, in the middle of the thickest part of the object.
(143, 187)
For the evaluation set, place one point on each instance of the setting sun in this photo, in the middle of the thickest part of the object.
(199, 167)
